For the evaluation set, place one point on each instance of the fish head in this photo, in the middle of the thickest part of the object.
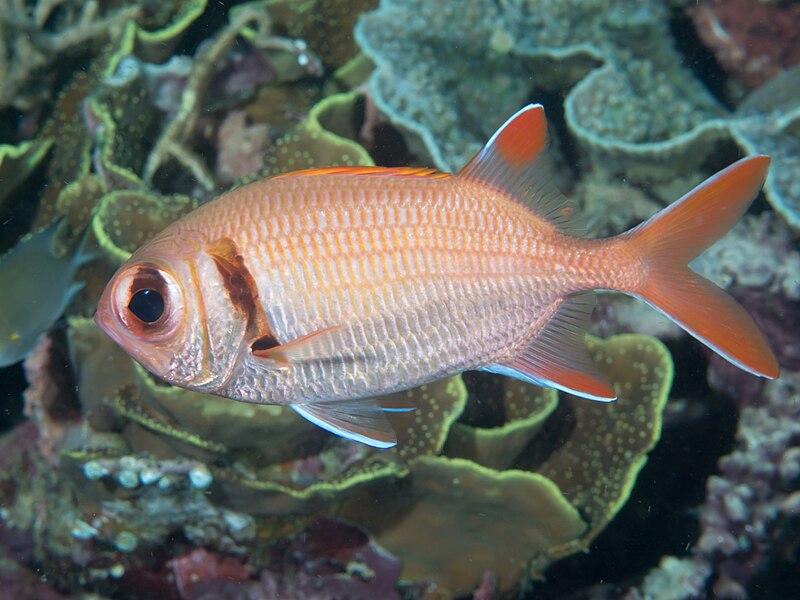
(165, 309)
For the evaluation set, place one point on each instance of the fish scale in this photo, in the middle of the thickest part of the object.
(326, 289)
(428, 257)
(451, 255)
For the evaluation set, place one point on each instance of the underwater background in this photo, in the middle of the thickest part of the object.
(116, 118)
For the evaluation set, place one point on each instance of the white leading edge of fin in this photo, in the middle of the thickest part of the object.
(500, 369)
(360, 420)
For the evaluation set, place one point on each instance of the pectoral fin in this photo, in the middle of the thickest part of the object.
(361, 420)
(317, 345)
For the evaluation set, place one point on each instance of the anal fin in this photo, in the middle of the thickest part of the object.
(360, 420)
(558, 358)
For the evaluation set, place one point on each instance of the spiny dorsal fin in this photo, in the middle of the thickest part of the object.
(512, 161)
(371, 171)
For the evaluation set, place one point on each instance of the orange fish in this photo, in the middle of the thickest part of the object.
(327, 288)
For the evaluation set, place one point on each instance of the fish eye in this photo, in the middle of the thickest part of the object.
(148, 301)
(147, 305)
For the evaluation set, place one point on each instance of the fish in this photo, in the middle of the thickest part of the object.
(38, 280)
(328, 288)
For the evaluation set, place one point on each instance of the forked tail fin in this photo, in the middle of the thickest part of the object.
(672, 238)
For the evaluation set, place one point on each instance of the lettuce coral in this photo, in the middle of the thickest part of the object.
(453, 518)
(454, 70)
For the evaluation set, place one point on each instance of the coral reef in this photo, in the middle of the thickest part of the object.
(34, 36)
(48, 401)
(753, 40)
(71, 157)
(326, 138)
(439, 77)
(325, 26)
(147, 460)
(525, 410)
(537, 510)
(325, 561)
(172, 142)
(242, 147)
(121, 486)
(124, 220)
(18, 162)
(753, 502)
(420, 83)
(640, 113)
(524, 515)
(757, 253)
(768, 122)
(757, 492)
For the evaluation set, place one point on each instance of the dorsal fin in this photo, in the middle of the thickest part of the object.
(372, 171)
(512, 161)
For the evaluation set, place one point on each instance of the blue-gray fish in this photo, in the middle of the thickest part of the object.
(37, 278)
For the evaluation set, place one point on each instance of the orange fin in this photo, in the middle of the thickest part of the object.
(317, 345)
(372, 171)
(513, 162)
(558, 358)
(361, 420)
(673, 237)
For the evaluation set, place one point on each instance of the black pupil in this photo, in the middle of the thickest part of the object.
(147, 305)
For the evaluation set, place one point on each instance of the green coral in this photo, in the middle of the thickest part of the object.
(325, 139)
(127, 122)
(266, 447)
(768, 122)
(424, 430)
(18, 162)
(71, 156)
(325, 26)
(573, 464)
(34, 36)
(597, 466)
(629, 101)
(125, 219)
(525, 410)
(454, 518)
(157, 35)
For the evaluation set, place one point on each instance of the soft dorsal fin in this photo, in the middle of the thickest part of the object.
(512, 161)
(371, 171)
(557, 356)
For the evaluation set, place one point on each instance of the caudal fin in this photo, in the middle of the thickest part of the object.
(672, 238)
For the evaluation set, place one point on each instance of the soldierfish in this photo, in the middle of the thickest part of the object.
(324, 289)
